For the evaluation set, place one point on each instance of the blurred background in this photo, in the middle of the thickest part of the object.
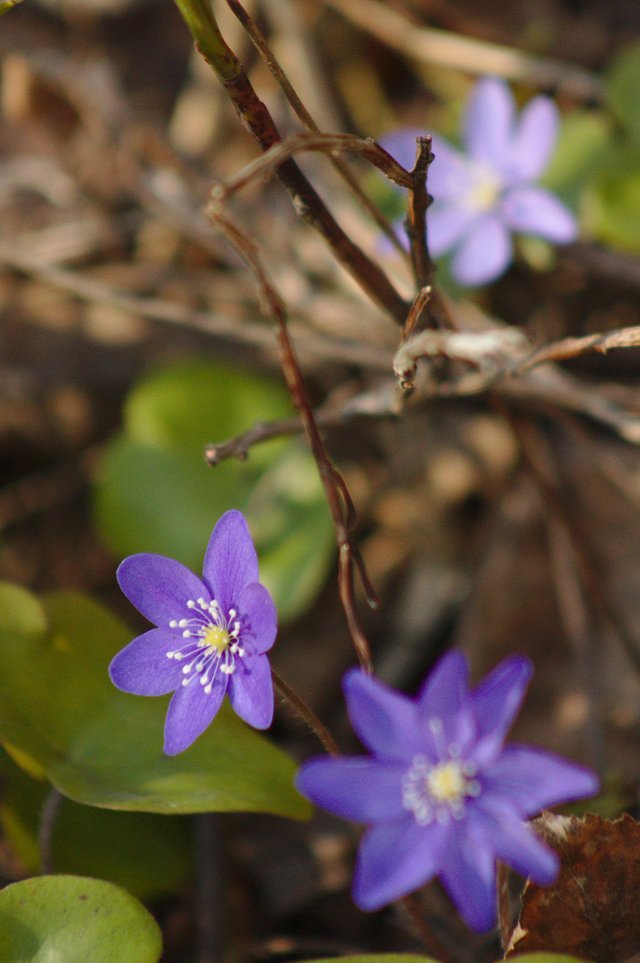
(131, 337)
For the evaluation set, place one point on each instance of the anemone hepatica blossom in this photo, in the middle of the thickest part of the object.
(441, 793)
(487, 191)
(211, 637)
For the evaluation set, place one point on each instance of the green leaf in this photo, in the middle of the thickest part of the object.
(544, 958)
(612, 202)
(185, 406)
(155, 493)
(622, 84)
(6, 5)
(103, 747)
(379, 958)
(583, 143)
(152, 858)
(73, 919)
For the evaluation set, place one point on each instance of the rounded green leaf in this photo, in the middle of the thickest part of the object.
(154, 492)
(379, 958)
(545, 958)
(622, 84)
(75, 920)
(612, 202)
(583, 144)
(103, 747)
(152, 858)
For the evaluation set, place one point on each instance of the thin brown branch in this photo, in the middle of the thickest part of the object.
(416, 222)
(574, 347)
(308, 204)
(48, 820)
(307, 120)
(424, 932)
(168, 312)
(274, 309)
(300, 707)
(531, 441)
(283, 150)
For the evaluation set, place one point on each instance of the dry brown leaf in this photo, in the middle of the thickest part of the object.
(592, 910)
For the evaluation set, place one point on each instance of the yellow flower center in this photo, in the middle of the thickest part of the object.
(215, 638)
(484, 191)
(447, 782)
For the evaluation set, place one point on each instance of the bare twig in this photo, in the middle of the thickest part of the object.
(210, 889)
(305, 117)
(424, 932)
(48, 820)
(416, 222)
(274, 309)
(573, 347)
(466, 54)
(420, 302)
(256, 118)
(279, 153)
(550, 485)
(168, 312)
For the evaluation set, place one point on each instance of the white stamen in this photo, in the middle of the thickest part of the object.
(211, 642)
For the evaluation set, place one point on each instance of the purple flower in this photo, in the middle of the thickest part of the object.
(440, 792)
(211, 637)
(483, 195)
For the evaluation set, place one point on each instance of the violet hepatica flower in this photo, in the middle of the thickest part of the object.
(211, 637)
(487, 191)
(440, 792)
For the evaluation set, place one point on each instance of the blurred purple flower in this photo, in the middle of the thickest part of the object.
(440, 792)
(211, 636)
(488, 191)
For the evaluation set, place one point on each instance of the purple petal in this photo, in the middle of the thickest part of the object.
(143, 668)
(159, 587)
(259, 618)
(448, 175)
(364, 790)
(447, 224)
(251, 691)
(190, 712)
(488, 123)
(531, 779)
(444, 691)
(386, 722)
(534, 139)
(484, 254)
(230, 562)
(516, 844)
(469, 876)
(395, 859)
(496, 701)
(401, 144)
(532, 210)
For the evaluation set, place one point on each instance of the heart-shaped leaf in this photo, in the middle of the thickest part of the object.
(69, 918)
(152, 858)
(379, 958)
(154, 492)
(102, 747)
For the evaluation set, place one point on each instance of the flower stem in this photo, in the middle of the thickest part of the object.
(48, 819)
(424, 931)
(300, 706)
